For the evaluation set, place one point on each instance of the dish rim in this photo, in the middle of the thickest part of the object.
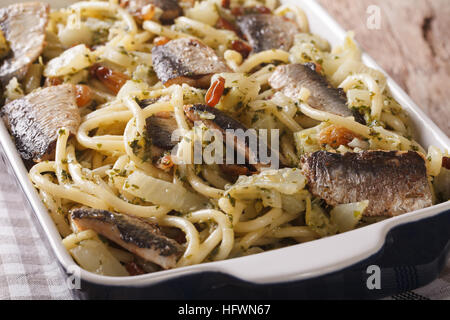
(244, 267)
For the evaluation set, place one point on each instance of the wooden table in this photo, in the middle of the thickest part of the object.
(412, 45)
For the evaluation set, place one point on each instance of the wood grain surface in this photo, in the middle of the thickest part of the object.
(412, 45)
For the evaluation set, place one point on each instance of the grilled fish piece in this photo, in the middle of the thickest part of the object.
(186, 61)
(23, 25)
(394, 182)
(35, 119)
(216, 119)
(171, 9)
(138, 236)
(267, 31)
(160, 128)
(146, 102)
(446, 162)
(290, 78)
(212, 117)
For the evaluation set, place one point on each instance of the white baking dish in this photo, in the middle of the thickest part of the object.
(294, 263)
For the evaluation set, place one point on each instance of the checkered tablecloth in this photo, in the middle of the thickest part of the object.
(29, 271)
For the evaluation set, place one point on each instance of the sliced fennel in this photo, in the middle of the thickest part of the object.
(163, 193)
(70, 61)
(94, 256)
(276, 188)
(342, 218)
(346, 216)
(286, 181)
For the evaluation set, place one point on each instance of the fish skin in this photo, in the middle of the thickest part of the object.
(394, 182)
(139, 236)
(290, 78)
(171, 9)
(33, 120)
(23, 25)
(223, 122)
(160, 129)
(446, 162)
(146, 102)
(188, 61)
(267, 31)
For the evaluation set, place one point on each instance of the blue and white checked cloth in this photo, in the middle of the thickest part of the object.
(27, 269)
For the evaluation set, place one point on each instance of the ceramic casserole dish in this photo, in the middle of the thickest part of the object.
(408, 250)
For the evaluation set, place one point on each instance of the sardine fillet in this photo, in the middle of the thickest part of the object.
(171, 9)
(160, 130)
(186, 60)
(35, 119)
(134, 234)
(394, 182)
(24, 26)
(290, 79)
(267, 31)
(233, 130)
